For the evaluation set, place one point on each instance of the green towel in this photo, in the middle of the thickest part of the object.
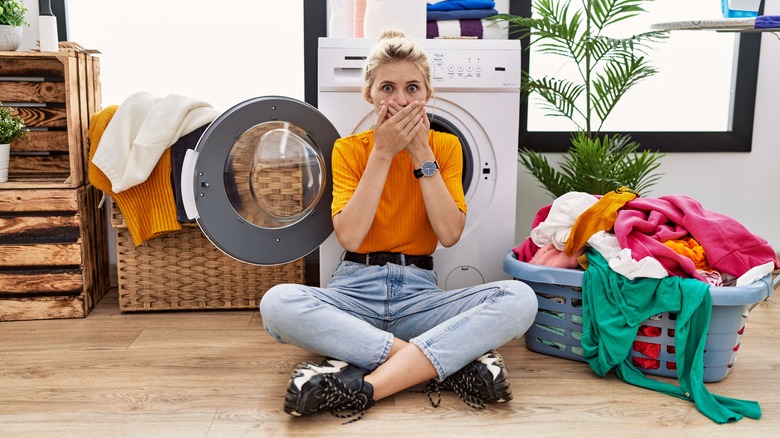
(613, 309)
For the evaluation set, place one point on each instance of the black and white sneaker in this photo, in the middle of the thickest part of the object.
(333, 386)
(482, 381)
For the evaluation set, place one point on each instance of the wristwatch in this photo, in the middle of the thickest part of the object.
(428, 168)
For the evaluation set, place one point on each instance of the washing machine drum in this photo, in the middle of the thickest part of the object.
(258, 182)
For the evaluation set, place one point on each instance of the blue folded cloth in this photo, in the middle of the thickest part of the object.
(454, 5)
(767, 22)
(466, 14)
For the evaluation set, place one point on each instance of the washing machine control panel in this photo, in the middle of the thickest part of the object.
(456, 65)
(458, 69)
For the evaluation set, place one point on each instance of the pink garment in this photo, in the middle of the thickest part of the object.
(526, 250)
(548, 255)
(644, 223)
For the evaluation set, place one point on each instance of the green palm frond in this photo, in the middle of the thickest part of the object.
(596, 165)
(603, 47)
(518, 27)
(560, 96)
(638, 172)
(607, 12)
(616, 78)
(551, 35)
(549, 178)
(590, 163)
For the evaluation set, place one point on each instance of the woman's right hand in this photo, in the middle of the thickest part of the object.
(395, 128)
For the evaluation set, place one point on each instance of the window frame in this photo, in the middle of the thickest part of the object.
(738, 139)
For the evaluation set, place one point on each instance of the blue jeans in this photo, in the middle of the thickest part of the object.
(364, 308)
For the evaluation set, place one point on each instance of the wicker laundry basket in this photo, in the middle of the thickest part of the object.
(185, 271)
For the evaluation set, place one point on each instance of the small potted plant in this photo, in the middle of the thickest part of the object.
(12, 127)
(11, 22)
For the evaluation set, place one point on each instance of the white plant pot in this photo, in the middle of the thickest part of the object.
(5, 155)
(10, 37)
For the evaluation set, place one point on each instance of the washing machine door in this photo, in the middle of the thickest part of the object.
(258, 182)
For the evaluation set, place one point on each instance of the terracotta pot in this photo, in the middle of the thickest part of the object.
(10, 37)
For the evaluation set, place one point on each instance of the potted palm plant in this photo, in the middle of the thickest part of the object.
(607, 69)
(11, 22)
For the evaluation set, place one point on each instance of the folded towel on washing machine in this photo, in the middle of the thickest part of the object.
(465, 14)
(452, 5)
(480, 29)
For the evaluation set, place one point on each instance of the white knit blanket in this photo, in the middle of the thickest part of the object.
(142, 128)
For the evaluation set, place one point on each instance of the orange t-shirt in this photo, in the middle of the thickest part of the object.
(401, 223)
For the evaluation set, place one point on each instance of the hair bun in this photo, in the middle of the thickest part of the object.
(391, 33)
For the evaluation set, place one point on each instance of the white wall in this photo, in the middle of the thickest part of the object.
(159, 53)
(222, 52)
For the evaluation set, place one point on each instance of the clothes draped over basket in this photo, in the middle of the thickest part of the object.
(612, 310)
(647, 256)
(144, 127)
(130, 157)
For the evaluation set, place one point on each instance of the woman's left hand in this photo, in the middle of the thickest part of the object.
(418, 147)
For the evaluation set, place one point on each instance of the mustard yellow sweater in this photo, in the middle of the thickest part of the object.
(149, 208)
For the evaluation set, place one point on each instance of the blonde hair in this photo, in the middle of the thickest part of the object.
(394, 46)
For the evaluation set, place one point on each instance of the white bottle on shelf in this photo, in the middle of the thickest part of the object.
(47, 28)
(408, 16)
(341, 20)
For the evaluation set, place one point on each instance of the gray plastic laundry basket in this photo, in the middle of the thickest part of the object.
(557, 329)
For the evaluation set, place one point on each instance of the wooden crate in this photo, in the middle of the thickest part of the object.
(55, 93)
(183, 270)
(53, 253)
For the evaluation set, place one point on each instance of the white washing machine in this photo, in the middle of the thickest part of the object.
(477, 98)
(259, 180)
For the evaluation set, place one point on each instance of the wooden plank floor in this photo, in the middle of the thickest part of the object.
(218, 374)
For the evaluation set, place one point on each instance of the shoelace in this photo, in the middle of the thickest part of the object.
(461, 384)
(337, 399)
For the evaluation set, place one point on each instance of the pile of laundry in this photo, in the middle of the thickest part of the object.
(136, 152)
(464, 19)
(647, 238)
(643, 257)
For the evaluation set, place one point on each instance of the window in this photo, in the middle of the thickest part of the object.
(702, 100)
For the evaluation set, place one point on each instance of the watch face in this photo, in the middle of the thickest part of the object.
(429, 168)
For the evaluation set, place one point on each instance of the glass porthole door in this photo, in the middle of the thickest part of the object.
(259, 182)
